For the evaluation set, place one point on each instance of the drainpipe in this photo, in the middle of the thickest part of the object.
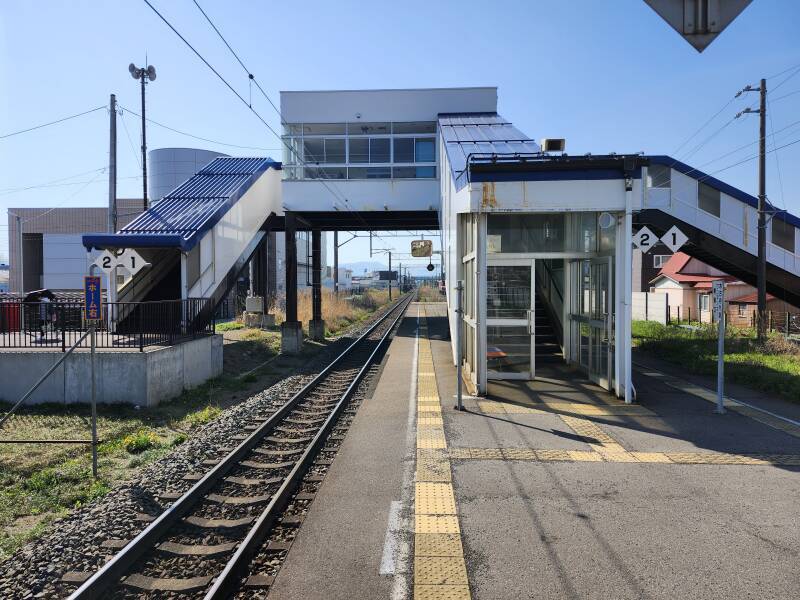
(627, 270)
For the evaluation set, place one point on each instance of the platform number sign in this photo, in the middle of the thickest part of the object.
(674, 238)
(645, 239)
(128, 259)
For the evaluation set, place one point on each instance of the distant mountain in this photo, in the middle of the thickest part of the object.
(358, 268)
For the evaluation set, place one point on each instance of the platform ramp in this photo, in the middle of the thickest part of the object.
(200, 236)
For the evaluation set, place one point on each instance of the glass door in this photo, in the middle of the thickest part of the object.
(593, 321)
(510, 319)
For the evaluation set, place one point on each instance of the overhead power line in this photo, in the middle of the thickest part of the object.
(749, 158)
(338, 195)
(341, 199)
(197, 137)
(35, 127)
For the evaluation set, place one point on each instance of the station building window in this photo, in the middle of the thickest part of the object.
(783, 234)
(344, 147)
(659, 176)
(708, 199)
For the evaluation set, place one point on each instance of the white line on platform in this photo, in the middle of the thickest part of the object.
(391, 543)
(403, 566)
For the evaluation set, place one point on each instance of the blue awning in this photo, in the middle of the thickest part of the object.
(181, 218)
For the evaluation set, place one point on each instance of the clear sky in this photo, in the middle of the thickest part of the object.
(607, 76)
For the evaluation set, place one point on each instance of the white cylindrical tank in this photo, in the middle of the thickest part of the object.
(167, 168)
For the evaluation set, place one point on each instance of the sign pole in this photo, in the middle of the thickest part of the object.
(93, 313)
(93, 335)
(719, 310)
(459, 313)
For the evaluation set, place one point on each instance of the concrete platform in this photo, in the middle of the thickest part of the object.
(547, 489)
(340, 548)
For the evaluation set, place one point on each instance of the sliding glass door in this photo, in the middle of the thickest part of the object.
(510, 319)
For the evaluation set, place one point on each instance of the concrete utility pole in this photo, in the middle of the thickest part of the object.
(112, 166)
(336, 263)
(762, 215)
(761, 270)
(390, 276)
(20, 258)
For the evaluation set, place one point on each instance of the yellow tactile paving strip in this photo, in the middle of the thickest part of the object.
(440, 572)
(683, 458)
(573, 408)
(604, 448)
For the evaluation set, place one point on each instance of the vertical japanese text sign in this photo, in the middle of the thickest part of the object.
(92, 298)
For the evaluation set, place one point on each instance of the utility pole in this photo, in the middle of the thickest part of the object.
(112, 166)
(144, 74)
(761, 271)
(390, 276)
(335, 263)
(20, 261)
(144, 152)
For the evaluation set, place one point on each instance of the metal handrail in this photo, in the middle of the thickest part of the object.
(553, 280)
(42, 379)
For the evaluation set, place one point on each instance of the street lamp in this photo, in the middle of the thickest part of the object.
(144, 75)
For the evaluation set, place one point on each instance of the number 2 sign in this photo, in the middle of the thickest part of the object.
(645, 239)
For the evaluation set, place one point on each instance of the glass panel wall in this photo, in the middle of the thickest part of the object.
(577, 232)
(340, 145)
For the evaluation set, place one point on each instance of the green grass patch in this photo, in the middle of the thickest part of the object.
(228, 326)
(138, 442)
(772, 367)
(201, 417)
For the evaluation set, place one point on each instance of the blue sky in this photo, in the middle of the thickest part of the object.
(608, 76)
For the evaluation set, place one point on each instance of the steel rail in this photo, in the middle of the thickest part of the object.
(113, 570)
(226, 582)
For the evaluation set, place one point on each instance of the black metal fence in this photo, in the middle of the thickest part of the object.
(134, 325)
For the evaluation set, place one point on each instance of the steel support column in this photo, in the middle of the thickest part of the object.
(291, 268)
(291, 330)
(316, 327)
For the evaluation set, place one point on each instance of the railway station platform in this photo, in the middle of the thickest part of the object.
(547, 489)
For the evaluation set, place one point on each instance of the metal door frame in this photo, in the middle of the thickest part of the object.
(529, 321)
(596, 325)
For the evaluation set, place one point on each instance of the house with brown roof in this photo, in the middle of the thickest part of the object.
(687, 281)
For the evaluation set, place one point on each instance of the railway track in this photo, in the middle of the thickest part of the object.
(201, 546)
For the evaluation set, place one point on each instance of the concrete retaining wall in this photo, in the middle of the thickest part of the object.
(138, 378)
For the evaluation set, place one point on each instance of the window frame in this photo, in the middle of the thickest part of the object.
(787, 229)
(298, 168)
(701, 186)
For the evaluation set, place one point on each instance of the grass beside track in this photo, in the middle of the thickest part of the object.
(772, 367)
(42, 482)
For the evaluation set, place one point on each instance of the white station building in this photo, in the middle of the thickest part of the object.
(541, 240)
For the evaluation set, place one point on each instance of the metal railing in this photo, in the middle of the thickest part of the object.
(137, 325)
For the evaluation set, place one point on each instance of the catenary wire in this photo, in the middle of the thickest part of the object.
(253, 79)
(228, 85)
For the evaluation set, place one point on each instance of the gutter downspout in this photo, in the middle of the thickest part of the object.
(627, 267)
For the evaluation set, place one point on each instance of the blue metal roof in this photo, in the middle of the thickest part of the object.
(182, 216)
(466, 135)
